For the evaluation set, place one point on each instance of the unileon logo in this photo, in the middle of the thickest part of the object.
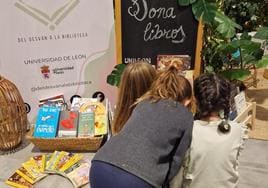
(51, 20)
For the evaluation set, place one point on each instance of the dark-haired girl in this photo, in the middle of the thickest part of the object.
(216, 142)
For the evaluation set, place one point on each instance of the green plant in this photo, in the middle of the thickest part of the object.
(222, 51)
(114, 77)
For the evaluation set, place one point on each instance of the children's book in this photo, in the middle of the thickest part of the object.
(47, 122)
(100, 114)
(68, 124)
(86, 124)
(73, 160)
(52, 162)
(101, 119)
(39, 161)
(47, 158)
(26, 175)
(63, 159)
(33, 170)
(18, 181)
(80, 175)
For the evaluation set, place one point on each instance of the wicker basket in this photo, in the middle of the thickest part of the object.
(66, 144)
(13, 117)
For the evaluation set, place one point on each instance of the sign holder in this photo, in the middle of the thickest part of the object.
(118, 27)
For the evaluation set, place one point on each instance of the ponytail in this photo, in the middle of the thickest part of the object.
(224, 127)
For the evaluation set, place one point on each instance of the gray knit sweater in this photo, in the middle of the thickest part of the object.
(152, 143)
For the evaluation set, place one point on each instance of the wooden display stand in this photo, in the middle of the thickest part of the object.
(248, 115)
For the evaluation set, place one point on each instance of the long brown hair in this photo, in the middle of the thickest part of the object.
(135, 81)
(169, 85)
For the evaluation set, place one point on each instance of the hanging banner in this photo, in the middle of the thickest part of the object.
(54, 47)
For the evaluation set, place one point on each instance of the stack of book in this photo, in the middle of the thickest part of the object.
(69, 165)
(57, 100)
(86, 118)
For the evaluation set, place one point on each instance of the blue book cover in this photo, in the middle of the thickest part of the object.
(47, 122)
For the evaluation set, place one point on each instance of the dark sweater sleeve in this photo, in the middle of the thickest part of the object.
(181, 149)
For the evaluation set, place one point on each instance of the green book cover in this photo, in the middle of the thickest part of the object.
(86, 124)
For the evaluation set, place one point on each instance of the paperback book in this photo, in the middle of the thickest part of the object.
(26, 175)
(86, 124)
(80, 175)
(100, 113)
(73, 160)
(33, 170)
(18, 181)
(68, 124)
(52, 162)
(63, 159)
(47, 122)
(39, 161)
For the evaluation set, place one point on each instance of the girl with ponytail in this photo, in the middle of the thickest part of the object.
(216, 142)
(149, 149)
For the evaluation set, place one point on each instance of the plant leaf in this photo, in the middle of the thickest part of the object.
(239, 74)
(120, 67)
(227, 48)
(247, 58)
(115, 76)
(263, 63)
(226, 26)
(205, 10)
(262, 33)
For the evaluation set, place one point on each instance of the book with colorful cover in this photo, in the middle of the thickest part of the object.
(68, 124)
(16, 180)
(101, 115)
(80, 175)
(33, 169)
(46, 161)
(52, 162)
(40, 162)
(101, 119)
(47, 122)
(63, 159)
(26, 175)
(86, 124)
(74, 159)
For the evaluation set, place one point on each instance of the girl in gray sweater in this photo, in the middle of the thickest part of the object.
(149, 150)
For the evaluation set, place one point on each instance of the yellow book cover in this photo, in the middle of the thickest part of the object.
(40, 162)
(52, 161)
(57, 159)
(16, 180)
(72, 161)
(32, 169)
(26, 175)
(65, 158)
(46, 161)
